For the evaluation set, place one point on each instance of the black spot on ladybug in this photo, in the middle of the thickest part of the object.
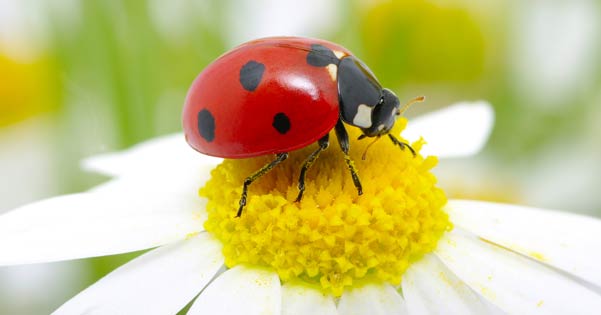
(321, 56)
(251, 74)
(206, 125)
(281, 123)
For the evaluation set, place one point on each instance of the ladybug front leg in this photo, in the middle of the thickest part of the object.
(280, 157)
(323, 143)
(342, 136)
(401, 144)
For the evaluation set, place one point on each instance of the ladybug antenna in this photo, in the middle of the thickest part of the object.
(418, 99)
(367, 148)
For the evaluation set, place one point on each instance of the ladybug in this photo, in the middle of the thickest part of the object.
(275, 95)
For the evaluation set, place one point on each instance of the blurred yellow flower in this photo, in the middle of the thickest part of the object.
(28, 88)
(422, 42)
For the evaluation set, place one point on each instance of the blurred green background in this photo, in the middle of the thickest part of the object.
(79, 78)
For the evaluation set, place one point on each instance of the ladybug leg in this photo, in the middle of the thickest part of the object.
(280, 157)
(323, 143)
(342, 136)
(401, 144)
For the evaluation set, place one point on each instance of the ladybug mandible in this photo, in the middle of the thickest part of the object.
(279, 94)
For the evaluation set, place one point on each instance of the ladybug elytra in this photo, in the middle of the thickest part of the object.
(279, 94)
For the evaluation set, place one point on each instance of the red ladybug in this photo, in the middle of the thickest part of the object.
(275, 95)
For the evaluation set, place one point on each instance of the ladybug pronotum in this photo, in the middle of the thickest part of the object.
(279, 94)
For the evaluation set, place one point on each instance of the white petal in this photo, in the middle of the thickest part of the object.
(301, 300)
(429, 287)
(461, 129)
(566, 241)
(173, 180)
(512, 282)
(96, 224)
(162, 281)
(241, 290)
(372, 299)
(167, 152)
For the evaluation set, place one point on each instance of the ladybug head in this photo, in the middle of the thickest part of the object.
(384, 115)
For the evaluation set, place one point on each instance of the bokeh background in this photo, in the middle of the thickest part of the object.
(79, 78)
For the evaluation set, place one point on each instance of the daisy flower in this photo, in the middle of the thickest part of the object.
(400, 248)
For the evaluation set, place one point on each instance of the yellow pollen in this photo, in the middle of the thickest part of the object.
(332, 239)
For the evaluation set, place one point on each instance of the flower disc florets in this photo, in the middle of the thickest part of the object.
(333, 238)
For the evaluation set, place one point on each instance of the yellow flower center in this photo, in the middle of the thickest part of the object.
(333, 238)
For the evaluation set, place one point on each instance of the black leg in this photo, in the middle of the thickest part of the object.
(342, 136)
(280, 157)
(323, 144)
(401, 144)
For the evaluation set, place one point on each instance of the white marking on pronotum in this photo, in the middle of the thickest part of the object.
(395, 113)
(333, 71)
(363, 117)
(339, 54)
